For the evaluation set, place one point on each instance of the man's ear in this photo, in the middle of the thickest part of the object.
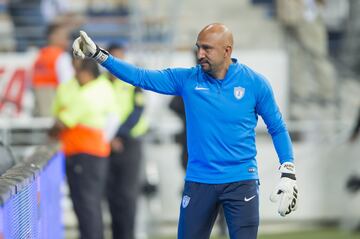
(228, 51)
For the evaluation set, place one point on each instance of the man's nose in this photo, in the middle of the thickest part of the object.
(200, 53)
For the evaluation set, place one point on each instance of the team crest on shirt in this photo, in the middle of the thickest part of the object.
(239, 92)
(185, 201)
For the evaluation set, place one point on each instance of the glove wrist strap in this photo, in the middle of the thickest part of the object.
(100, 55)
(288, 175)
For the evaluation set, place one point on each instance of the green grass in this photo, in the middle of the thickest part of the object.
(318, 234)
(321, 234)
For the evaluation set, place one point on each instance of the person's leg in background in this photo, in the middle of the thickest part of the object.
(86, 175)
(123, 188)
(43, 98)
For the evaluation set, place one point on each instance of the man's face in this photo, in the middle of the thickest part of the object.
(81, 76)
(118, 53)
(60, 37)
(211, 52)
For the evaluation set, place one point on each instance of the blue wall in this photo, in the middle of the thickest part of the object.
(33, 210)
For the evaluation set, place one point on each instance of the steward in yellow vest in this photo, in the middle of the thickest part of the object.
(83, 108)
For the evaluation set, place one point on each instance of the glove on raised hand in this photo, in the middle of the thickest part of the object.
(83, 46)
(286, 191)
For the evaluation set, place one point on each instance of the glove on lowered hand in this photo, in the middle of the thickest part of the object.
(286, 191)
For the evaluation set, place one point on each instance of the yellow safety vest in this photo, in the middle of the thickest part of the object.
(127, 98)
(84, 110)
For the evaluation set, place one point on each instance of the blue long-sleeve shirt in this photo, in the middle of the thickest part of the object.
(221, 116)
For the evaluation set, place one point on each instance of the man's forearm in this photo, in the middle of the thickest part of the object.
(122, 70)
(154, 80)
(283, 147)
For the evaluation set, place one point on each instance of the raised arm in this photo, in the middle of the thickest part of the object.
(168, 81)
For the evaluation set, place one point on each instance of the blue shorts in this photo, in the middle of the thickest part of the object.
(200, 205)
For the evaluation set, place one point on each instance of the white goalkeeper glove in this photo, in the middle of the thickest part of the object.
(286, 191)
(83, 46)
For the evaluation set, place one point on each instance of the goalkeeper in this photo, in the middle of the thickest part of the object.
(223, 99)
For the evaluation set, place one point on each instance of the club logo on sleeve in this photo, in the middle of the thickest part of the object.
(239, 92)
(185, 201)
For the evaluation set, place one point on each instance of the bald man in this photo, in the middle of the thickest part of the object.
(223, 99)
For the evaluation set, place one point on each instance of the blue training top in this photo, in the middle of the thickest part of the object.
(221, 116)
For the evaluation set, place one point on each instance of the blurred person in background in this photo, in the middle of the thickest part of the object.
(52, 66)
(223, 100)
(31, 18)
(123, 185)
(121, 7)
(55, 10)
(312, 83)
(29, 24)
(7, 37)
(355, 133)
(351, 45)
(351, 214)
(353, 183)
(177, 106)
(84, 109)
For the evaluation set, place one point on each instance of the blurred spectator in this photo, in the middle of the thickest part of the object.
(52, 66)
(355, 133)
(54, 10)
(28, 22)
(353, 181)
(126, 155)
(120, 7)
(335, 14)
(32, 17)
(312, 75)
(82, 109)
(6, 28)
(269, 4)
(351, 44)
(177, 106)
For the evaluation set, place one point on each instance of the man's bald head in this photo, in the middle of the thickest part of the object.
(215, 43)
(219, 31)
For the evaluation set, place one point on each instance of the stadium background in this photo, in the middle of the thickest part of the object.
(161, 34)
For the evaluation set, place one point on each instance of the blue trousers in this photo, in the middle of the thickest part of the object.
(200, 205)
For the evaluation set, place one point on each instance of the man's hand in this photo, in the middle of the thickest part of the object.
(83, 47)
(286, 191)
(117, 145)
(55, 131)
